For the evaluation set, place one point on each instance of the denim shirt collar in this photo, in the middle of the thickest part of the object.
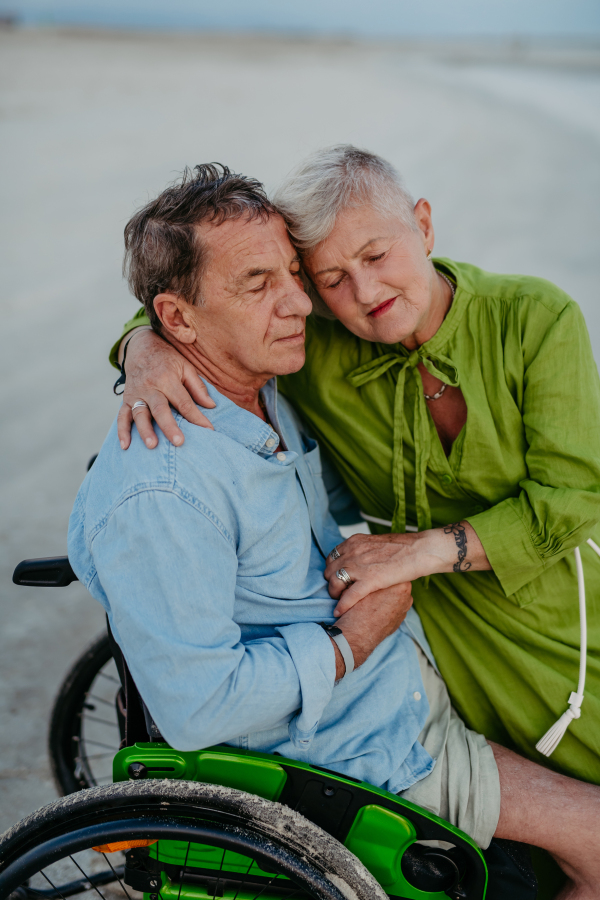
(243, 426)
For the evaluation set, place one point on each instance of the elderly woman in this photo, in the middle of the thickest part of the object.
(462, 410)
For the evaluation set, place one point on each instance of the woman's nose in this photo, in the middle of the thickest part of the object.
(364, 288)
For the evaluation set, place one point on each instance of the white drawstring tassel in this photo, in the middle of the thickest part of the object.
(548, 744)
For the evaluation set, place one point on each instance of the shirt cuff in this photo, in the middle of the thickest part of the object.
(313, 655)
(508, 546)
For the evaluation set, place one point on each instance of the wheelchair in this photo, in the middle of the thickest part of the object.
(221, 821)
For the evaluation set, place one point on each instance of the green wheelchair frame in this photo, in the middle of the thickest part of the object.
(376, 826)
(383, 831)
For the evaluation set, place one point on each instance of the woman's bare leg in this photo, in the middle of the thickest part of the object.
(557, 813)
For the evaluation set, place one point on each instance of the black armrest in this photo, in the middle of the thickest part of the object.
(55, 571)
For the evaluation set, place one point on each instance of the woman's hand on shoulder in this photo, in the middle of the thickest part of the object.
(159, 375)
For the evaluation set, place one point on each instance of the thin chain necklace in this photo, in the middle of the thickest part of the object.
(444, 386)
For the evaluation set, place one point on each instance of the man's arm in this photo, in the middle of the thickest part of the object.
(168, 568)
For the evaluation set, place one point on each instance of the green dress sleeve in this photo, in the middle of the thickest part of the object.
(140, 318)
(558, 506)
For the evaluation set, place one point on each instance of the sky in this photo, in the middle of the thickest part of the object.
(375, 18)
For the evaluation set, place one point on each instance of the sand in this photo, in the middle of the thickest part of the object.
(502, 139)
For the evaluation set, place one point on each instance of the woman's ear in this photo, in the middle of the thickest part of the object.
(425, 222)
(176, 317)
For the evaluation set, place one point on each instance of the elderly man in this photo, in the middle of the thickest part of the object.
(209, 557)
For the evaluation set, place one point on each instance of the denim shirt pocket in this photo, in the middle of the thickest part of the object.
(301, 740)
(312, 456)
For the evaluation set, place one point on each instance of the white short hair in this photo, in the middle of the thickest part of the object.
(333, 179)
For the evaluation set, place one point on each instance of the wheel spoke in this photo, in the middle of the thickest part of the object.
(100, 894)
(124, 889)
(268, 885)
(109, 678)
(187, 852)
(97, 756)
(219, 878)
(100, 700)
(101, 721)
(53, 886)
(100, 744)
(244, 879)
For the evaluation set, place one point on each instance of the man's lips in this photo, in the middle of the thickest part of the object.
(382, 308)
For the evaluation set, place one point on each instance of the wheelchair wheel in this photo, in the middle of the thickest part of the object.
(170, 840)
(85, 725)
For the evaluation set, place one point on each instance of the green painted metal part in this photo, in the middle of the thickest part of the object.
(256, 773)
(378, 836)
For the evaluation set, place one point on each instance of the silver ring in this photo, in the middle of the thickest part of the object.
(343, 576)
(139, 404)
(335, 553)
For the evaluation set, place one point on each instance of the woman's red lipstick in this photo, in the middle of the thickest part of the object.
(382, 308)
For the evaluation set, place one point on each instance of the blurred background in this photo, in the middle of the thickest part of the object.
(491, 110)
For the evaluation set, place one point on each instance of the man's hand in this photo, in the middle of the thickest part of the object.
(369, 622)
(158, 374)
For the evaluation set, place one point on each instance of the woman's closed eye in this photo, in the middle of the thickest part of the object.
(335, 283)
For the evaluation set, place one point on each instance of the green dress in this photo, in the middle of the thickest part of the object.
(524, 471)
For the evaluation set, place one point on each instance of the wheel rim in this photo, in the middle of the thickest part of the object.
(45, 864)
(99, 734)
(85, 731)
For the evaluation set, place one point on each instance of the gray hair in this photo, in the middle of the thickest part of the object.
(333, 179)
(163, 251)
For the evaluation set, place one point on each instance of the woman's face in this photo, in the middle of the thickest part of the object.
(373, 274)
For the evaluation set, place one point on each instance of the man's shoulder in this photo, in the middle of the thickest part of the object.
(196, 469)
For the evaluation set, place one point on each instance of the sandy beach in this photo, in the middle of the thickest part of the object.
(502, 138)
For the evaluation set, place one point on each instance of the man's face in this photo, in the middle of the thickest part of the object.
(254, 308)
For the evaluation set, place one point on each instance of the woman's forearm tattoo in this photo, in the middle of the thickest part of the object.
(460, 536)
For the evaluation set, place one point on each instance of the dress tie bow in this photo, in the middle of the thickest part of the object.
(440, 367)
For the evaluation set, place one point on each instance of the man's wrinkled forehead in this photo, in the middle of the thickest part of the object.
(243, 248)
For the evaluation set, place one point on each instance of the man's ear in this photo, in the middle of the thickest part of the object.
(176, 317)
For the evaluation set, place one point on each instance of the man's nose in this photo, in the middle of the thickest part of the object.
(295, 301)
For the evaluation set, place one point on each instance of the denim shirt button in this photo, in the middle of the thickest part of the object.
(281, 457)
(417, 695)
(271, 442)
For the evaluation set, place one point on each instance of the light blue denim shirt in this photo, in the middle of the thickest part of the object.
(209, 561)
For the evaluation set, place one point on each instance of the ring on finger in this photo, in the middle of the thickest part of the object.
(335, 553)
(343, 576)
(139, 404)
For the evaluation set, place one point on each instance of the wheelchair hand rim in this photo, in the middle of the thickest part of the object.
(241, 840)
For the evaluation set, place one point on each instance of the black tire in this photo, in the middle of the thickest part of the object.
(284, 842)
(85, 731)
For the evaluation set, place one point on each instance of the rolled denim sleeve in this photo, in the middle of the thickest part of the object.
(171, 610)
(314, 657)
(558, 507)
